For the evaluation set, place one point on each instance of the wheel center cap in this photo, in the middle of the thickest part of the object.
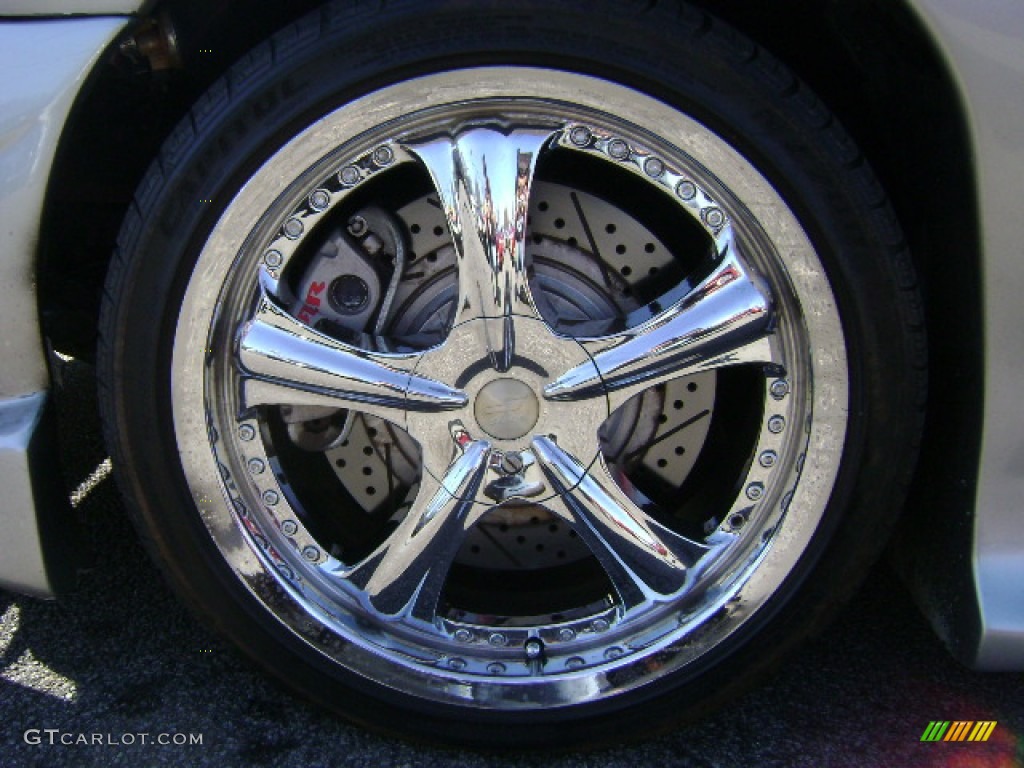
(506, 408)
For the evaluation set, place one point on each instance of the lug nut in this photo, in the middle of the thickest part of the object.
(512, 463)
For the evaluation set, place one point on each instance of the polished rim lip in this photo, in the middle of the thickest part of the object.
(828, 370)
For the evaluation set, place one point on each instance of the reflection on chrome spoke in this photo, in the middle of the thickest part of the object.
(288, 363)
(483, 178)
(406, 574)
(726, 320)
(645, 561)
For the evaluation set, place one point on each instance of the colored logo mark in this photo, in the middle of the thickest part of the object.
(958, 730)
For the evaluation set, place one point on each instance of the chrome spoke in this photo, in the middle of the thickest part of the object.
(644, 559)
(725, 320)
(406, 574)
(285, 362)
(483, 178)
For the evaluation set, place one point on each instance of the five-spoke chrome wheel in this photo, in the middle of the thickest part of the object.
(476, 309)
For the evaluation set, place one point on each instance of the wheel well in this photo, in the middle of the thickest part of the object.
(911, 127)
(875, 66)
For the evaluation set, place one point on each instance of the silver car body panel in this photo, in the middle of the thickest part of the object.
(37, 89)
(983, 46)
(983, 42)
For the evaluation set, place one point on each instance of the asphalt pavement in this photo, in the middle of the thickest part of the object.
(81, 680)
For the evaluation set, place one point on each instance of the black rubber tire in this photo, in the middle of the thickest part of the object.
(669, 50)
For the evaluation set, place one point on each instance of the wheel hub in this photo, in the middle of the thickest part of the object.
(506, 409)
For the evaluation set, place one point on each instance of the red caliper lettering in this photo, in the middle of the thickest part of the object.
(309, 308)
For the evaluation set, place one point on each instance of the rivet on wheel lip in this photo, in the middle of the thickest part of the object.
(247, 432)
(574, 662)
(311, 553)
(463, 636)
(256, 466)
(349, 175)
(779, 388)
(613, 653)
(776, 424)
(755, 491)
(768, 458)
(497, 639)
(653, 167)
(293, 229)
(687, 190)
(713, 217)
(319, 199)
(289, 527)
(383, 155)
(273, 259)
(496, 668)
(599, 625)
(618, 149)
(457, 664)
(580, 136)
(270, 498)
(566, 635)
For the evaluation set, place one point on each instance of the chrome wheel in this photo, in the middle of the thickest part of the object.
(510, 388)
